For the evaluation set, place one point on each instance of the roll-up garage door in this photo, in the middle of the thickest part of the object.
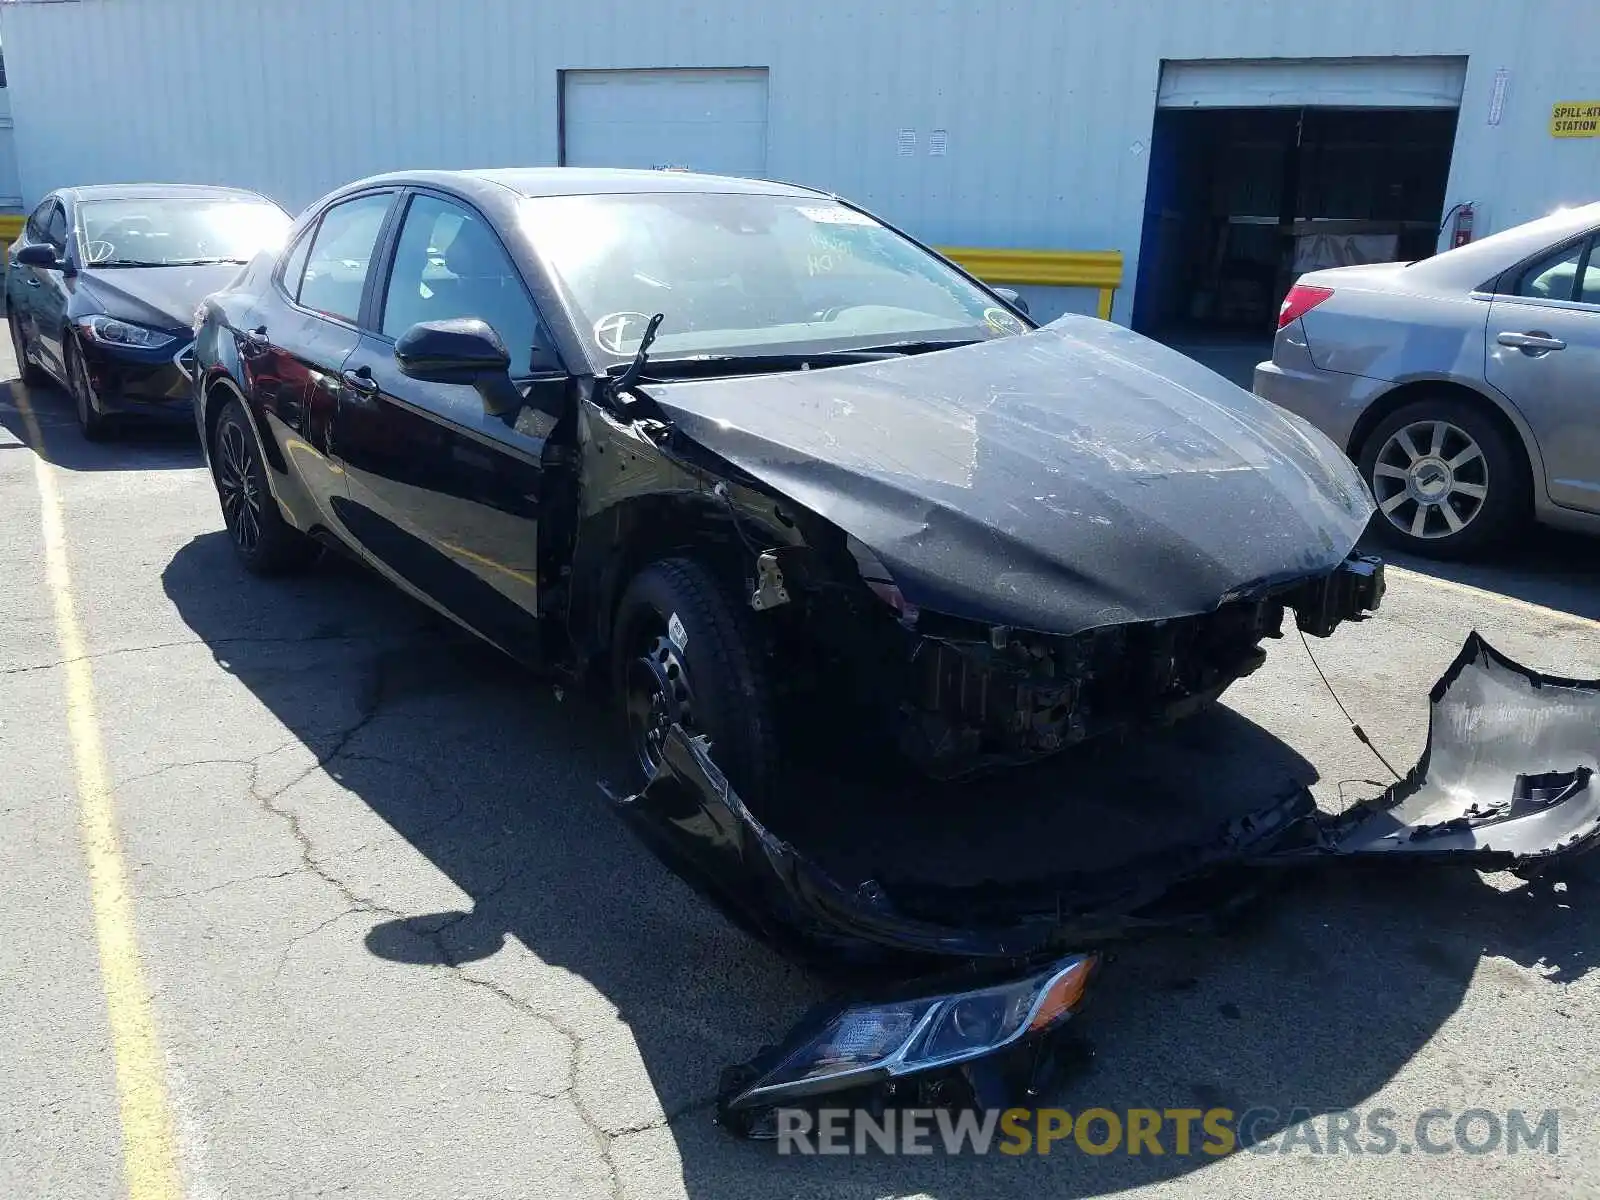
(1313, 82)
(712, 121)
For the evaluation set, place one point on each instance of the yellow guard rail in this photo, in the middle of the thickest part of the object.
(1098, 269)
(10, 231)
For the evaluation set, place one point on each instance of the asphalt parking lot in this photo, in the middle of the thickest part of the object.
(383, 938)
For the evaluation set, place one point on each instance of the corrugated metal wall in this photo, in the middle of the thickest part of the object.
(10, 184)
(1047, 104)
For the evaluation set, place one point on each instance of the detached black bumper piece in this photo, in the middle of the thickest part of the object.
(1507, 782)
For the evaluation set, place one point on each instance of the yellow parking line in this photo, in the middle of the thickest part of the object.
(149, 1147)
(1483, 594)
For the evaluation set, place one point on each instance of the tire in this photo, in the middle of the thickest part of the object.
(705, 668)
(265, 543)
(1465, 473)
(93, 424)
(31, 373)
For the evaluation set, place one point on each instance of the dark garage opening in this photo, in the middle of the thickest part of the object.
(1242, 200)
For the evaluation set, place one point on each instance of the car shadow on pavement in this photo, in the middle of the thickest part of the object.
(1548, 567)
(1314, 1002)
(134, 445)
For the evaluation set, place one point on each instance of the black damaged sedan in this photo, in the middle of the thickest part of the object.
(101, 289)
(779, 473)
(754, 454)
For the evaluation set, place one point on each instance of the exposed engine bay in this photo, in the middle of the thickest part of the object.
(963, 697)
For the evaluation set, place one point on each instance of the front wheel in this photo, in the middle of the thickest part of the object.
(93, 424)
(265, 542)
(683, 653)
(1446, 479)
(32, 374)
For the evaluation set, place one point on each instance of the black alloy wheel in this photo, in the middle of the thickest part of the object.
(237, 486)
(32, 374)
(264, 541)
(95, 426)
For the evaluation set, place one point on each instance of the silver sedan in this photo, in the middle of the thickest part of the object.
(1466, 386)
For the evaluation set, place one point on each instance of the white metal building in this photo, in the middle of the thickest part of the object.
(1162, 128)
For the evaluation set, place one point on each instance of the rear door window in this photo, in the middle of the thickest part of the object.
(1589, 286)
(341, 255)
(1554, 277)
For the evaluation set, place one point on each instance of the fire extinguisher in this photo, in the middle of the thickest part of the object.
(1462, 232)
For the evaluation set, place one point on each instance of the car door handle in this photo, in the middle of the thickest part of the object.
(31, 281)
(360, 381)
(1535, 340)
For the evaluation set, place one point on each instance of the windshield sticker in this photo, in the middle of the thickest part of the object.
(615, 331)
(827, 252)
(834, 214)
(999, 320)
(677, 634)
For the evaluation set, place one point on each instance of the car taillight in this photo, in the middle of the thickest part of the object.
(1302, 298)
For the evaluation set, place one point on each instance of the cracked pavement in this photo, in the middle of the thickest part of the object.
(398, 947)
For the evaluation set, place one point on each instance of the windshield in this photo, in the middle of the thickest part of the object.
(174, 231)
(748, 274)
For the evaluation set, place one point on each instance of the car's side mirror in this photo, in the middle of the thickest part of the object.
(1012, 297)
(465, 351)
(41, 255)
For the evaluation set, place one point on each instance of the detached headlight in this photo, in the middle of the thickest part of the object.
(111, 332)
(866, 1044)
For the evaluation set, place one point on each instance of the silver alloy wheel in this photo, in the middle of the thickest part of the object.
(241, 498)
(1430, 479)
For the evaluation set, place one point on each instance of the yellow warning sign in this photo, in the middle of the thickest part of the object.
(1575, 118)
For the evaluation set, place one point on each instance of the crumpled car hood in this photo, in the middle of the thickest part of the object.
(1075, 476)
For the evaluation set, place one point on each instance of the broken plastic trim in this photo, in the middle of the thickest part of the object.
(1506, 781)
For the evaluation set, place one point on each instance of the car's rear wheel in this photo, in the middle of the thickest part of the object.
(91, 420)
(684, 653)
(32, 374)
(1447, 482)
(265, 542)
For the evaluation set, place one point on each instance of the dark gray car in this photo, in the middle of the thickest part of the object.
(1466, 386)
(102, 285)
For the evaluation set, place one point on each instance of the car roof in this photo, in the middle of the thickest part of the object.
(1477, 262)
(586, 181)
(155, 191)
